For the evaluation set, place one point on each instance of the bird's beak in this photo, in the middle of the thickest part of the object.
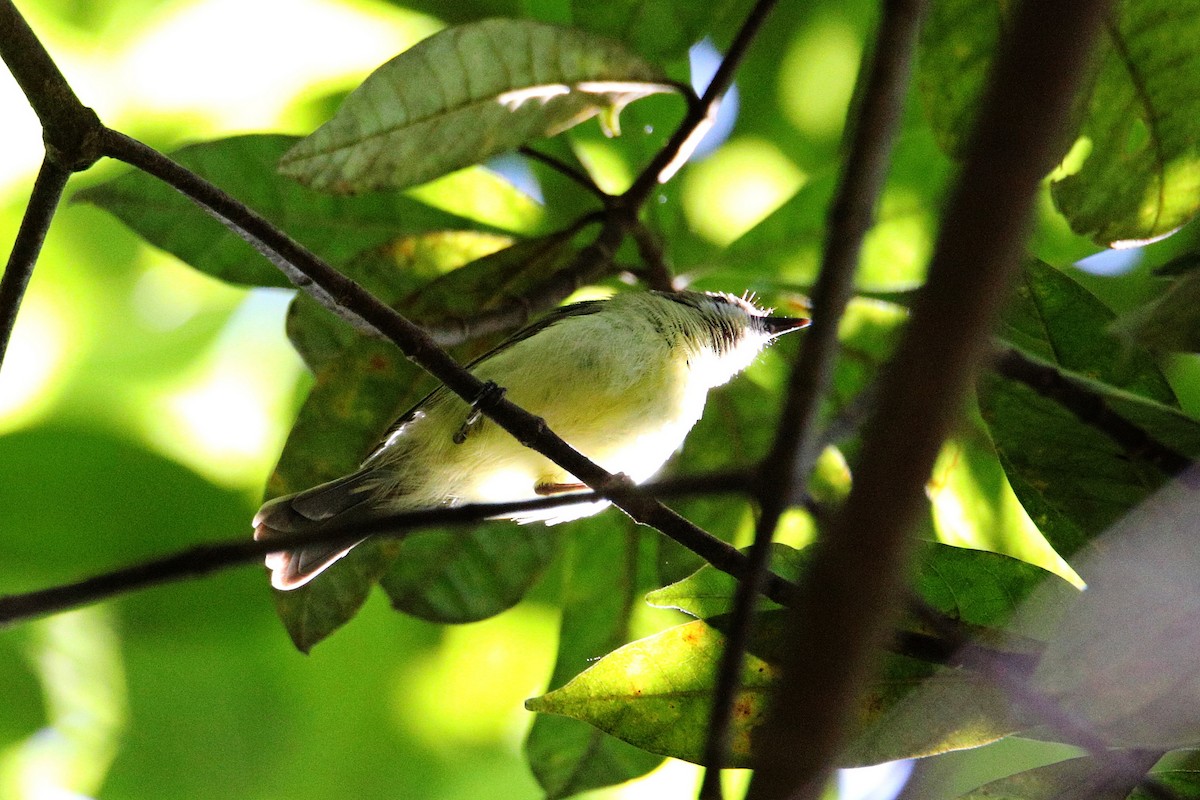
(777, 326)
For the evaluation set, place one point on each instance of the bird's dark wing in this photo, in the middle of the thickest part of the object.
(555, 316)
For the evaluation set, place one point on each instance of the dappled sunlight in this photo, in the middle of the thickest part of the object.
(736, 187)
(471, 689)
(77, 660)
(37, 359)
(227, 418)
(254, 79)
(815, 100)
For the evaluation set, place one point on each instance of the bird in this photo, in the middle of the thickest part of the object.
(622, 380)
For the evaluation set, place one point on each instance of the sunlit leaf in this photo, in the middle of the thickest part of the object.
(465, 94)
(1140, 177)
(656, 693)
(1135, 172)
(334, 228)
(599, 590)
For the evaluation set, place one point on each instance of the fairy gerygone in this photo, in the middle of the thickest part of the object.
(622, 380)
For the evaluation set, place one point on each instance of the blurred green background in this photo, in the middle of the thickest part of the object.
(143, 405)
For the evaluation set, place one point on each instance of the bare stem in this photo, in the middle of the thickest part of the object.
(856, 579)
(43, 202)
(850, 217)
(205, 559)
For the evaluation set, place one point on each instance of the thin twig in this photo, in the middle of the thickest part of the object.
(655, 272)
(205, 559)
(786, 468)
(568, 171)
(700, 115)
(850, 600)
(1089, 407)
(43, 202)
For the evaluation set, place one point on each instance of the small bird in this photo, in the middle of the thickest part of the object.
(622, 380)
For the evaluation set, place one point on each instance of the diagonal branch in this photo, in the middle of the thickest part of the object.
(856, 580)
(43, 202)
(795, 448)
(205, 559)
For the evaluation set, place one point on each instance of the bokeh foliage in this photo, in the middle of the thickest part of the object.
(195, 686)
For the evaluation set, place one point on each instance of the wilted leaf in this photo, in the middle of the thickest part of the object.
(463, 95)
(600, 587)
(333, 228)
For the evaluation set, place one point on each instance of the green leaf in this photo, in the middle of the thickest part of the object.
(657, 29)
(1168, 323)
(913, 709)
(1086, 777)
(600, 588)
(468, 574)
(396, 270)
(1135, 170)
(1140, 176)
(463, 95)
(333, 228)
(655, 693)
(973, 586)
(1056, 319)
(1073, 480)
(958, 40)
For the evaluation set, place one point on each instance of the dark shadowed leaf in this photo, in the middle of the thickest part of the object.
(659, 30)
(467, 574)
(1072, 479)
(463, 95)
(1169, 322)
(600, 587)
(334, 228)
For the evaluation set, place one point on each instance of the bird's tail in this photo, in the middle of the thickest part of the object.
(339, 502)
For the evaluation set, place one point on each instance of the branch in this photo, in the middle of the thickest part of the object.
(700, 116)
(1089, 407)
(69, 128)
(43, 202)
(795, 448)
(852, 596)
(567, 170)
(205, 559)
